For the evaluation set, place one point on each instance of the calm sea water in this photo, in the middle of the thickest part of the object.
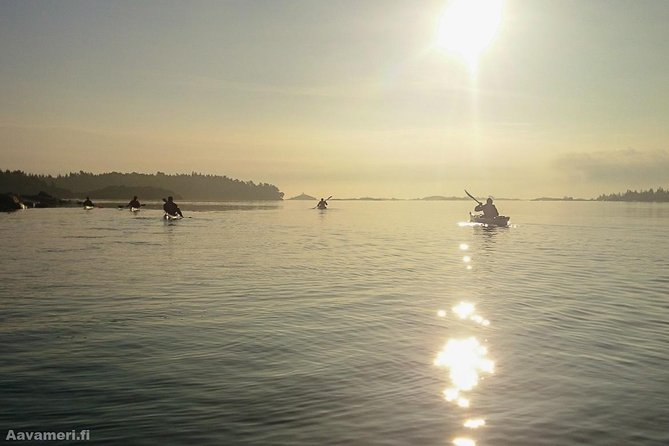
(371, 323)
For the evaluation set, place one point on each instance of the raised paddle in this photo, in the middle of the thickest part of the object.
(472, 197)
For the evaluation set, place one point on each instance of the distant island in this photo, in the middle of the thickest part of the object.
(19, 189)
(442, 198)
(303, 196)
(116, 185)
(654, 196)
(560, 199)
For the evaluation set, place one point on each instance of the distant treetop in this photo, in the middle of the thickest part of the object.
(650, 195)
(194, 186)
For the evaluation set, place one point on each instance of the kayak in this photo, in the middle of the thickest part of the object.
(134, 209)
(321, 208)
(88, 208)
(169, 217)
(500, 220)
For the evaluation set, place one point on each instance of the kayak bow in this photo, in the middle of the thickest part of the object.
(499, 221)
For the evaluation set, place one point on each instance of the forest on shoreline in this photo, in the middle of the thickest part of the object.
(654, 196)
(116, 185)
(201, 187)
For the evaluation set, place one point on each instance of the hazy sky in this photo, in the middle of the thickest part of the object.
(343, 98)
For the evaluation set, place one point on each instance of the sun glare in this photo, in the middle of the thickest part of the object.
(467, 28)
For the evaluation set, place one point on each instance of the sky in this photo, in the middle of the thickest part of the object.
(384, 98)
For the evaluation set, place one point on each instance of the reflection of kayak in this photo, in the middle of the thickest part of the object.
(134, 209)
(500, 220)
(88, 208)
(168, 217)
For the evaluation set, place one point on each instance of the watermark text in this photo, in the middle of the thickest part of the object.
(73, 435)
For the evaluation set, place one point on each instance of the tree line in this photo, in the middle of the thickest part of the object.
(194, 186)
(650, 195)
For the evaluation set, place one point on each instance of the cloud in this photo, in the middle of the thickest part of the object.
(624, 167)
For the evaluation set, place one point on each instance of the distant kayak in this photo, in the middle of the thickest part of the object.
(169, 217)
(500, 220)
(322, 204)
(134, 209)
(88, 208)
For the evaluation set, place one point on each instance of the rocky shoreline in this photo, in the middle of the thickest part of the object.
(13, 202)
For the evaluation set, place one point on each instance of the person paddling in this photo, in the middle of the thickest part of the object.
(88, 203)
(134, 203)
(171, 208)
(322, 204)
(488, 209)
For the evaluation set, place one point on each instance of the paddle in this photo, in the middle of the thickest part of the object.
(319, 202)
(472, 197)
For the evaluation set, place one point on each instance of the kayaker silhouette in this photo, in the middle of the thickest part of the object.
(488, 209)
(171, 208)
(134, 203)
(88, 202)
(322, 204)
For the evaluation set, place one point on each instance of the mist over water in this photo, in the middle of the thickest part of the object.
(279, 324)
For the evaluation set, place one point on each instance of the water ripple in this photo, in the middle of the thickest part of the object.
(279, 325)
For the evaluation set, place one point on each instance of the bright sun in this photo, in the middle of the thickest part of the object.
(467, 28)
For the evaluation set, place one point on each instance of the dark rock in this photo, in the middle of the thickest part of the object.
(10, 202)
(45, 200)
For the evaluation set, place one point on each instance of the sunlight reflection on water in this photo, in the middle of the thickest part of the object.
(474, 423)
(460, 441)
(466, 359)
(295, 327)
